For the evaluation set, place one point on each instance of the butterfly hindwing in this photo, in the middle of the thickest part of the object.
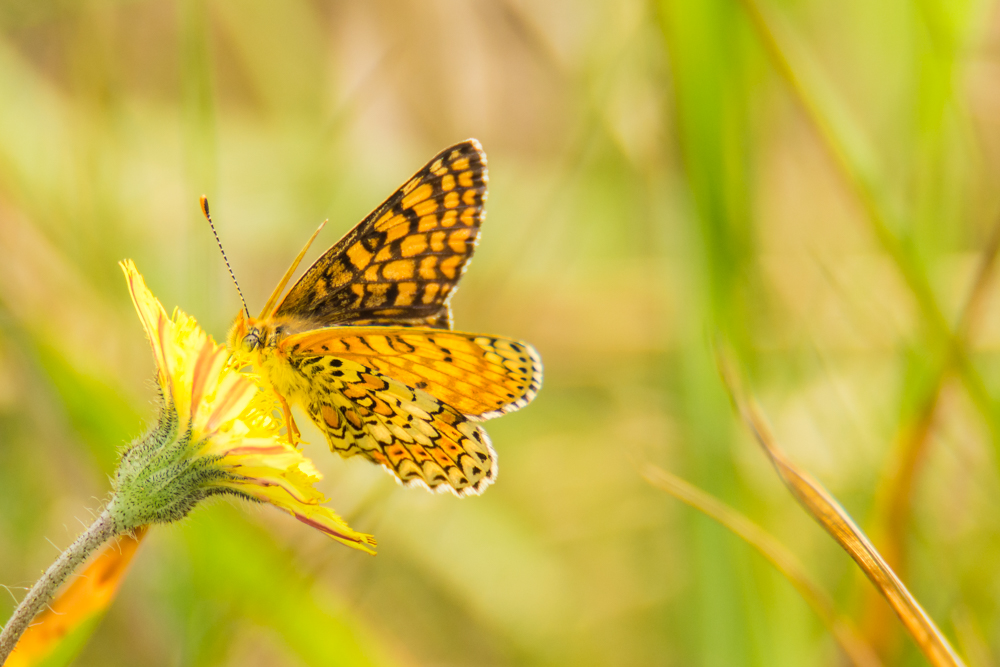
(413, 435)
(477, 375)
(401, 264)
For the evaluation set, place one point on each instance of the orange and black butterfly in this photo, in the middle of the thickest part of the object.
(363, 342)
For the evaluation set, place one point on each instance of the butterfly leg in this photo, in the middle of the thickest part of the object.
(290, 426)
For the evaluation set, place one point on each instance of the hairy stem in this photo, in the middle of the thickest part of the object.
(103, 529)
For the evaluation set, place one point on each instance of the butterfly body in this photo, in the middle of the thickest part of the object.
(363, 341)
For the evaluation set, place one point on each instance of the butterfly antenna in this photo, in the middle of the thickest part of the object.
(273, 300)
(208, 216)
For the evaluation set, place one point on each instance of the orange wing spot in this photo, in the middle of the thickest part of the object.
(330, 416)
(441, 458)
(371, 273)
(465, 179)
(414, 244)
(418, 195)
(427, 271)
(449, 266)
(437, 241)
(427, 223)
(359, 292)
(382, 223)
(397, 454)
(405, 294)
(382, 408)
(460, 165)
(359, 256)
(397, 232)
(437, 167)
(430, 291)
(353, 417)
(451, 199)
(373, 382)
(469, 217)
(493, 358)
(319, 290)
(425, 207)
(449, 217)
(458, 238)
(378, 457)
(339, 275)
(470, 197)
(448, 183)
(410, 184)
(354, 392)
(384, 254)
(419, 453)
(401, 269)
(376, 295)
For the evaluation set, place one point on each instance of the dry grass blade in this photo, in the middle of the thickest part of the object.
(60, 631)
(915, 435)
(856, 649)
(832, 517)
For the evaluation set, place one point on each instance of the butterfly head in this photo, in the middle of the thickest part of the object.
(246, 335)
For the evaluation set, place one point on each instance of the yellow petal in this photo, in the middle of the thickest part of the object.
(231, 417)
(194, 372)
(324, 519)
(274, 472)
(151, 314)
(274, 466)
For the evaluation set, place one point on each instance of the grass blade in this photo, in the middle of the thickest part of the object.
(824, 508)
(914, 438)
(853, 158)
(856, 649)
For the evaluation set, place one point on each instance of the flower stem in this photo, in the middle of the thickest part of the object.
(103, 529)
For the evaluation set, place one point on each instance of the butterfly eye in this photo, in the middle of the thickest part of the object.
(250, 342)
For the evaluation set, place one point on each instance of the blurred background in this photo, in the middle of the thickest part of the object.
(814, 182)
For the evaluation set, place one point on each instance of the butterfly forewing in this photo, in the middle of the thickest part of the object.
(401, 264)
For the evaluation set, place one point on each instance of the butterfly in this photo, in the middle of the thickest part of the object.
(363, 342)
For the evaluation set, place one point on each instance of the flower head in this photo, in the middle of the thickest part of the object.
(219, 433)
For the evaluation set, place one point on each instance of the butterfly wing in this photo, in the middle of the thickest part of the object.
(400, 265)
(417, 438)
(408, 398)
(479, 376)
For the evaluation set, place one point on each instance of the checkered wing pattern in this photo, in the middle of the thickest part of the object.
(363, 340)
(401, 264)
(408, 398)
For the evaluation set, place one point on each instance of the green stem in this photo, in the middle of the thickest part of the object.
(103, 529)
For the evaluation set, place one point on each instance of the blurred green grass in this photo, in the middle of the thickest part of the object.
(654, 183)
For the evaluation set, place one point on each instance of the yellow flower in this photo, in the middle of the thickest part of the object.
(219, 433)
